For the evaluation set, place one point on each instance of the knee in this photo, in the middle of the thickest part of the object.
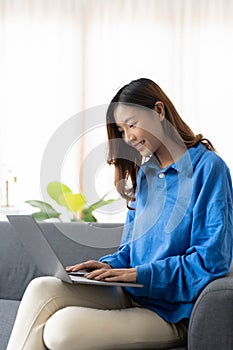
(69, 328)
(56, 335)
(43, 281)
(42, 285)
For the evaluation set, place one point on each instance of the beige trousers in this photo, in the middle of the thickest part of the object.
(60, 316)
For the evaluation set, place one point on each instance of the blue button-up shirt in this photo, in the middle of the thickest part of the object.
(179, 237)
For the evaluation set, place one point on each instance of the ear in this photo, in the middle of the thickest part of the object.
(159, 108)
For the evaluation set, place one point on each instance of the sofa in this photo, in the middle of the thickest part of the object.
(211, 323)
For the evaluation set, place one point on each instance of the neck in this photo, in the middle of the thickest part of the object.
(170, 153)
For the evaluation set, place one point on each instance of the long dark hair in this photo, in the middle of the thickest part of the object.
(145, 93)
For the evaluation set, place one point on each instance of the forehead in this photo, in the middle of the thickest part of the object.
(123, 113)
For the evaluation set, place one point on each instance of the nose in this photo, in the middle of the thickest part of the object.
(129, 136)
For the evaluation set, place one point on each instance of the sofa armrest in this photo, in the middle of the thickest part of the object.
(211, 322)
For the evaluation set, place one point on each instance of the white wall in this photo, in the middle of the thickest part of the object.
(60, 58)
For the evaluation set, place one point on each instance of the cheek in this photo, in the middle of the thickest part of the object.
(156, 132)
(154, 141)
(141, 134)
(152, 132)
(151, 136)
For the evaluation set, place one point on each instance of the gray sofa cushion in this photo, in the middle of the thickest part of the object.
(8, 310)
(18, 266)
(212, 314)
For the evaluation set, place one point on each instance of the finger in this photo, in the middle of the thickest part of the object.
(90, 264)
(72, 268)
(77, 267)
(94, 265)
(115, 279)
(118, 275)
(100, 274)
(95, 273)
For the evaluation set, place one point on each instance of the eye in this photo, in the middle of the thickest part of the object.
(132, 125)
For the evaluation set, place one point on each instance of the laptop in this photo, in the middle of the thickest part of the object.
(33, 239)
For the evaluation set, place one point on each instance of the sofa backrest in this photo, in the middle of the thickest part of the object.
(73, 243)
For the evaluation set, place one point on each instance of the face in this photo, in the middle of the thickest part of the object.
(140, 128)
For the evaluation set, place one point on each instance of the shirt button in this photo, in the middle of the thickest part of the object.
(161, 175)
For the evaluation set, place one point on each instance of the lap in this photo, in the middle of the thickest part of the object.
(73, 316)
(130, 328)
(45, 290)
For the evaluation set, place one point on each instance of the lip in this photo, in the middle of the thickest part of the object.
(139, 146)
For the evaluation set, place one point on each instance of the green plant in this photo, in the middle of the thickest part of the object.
(76, 203)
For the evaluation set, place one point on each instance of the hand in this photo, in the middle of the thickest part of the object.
(113, 275)
(88, 266)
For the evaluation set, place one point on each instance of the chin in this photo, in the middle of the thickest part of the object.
(146, 153)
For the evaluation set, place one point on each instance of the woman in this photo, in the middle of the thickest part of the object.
(177, 238)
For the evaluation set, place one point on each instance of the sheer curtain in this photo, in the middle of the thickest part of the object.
(61, 58)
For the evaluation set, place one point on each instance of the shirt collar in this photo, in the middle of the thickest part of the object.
(185, 164)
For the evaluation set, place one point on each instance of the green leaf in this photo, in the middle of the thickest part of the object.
(100, 203)
(88, 216)
(40, 204)
(74, 202)
(56, 190)
(40, 216)
(46, 210)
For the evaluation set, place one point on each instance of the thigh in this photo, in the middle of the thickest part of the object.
(84, 328)
(45, 296)
(55, 294)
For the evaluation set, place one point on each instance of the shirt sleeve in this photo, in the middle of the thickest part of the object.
(181, 278)
(121, 259)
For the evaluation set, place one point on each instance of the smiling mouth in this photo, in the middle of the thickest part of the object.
(139, 145)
